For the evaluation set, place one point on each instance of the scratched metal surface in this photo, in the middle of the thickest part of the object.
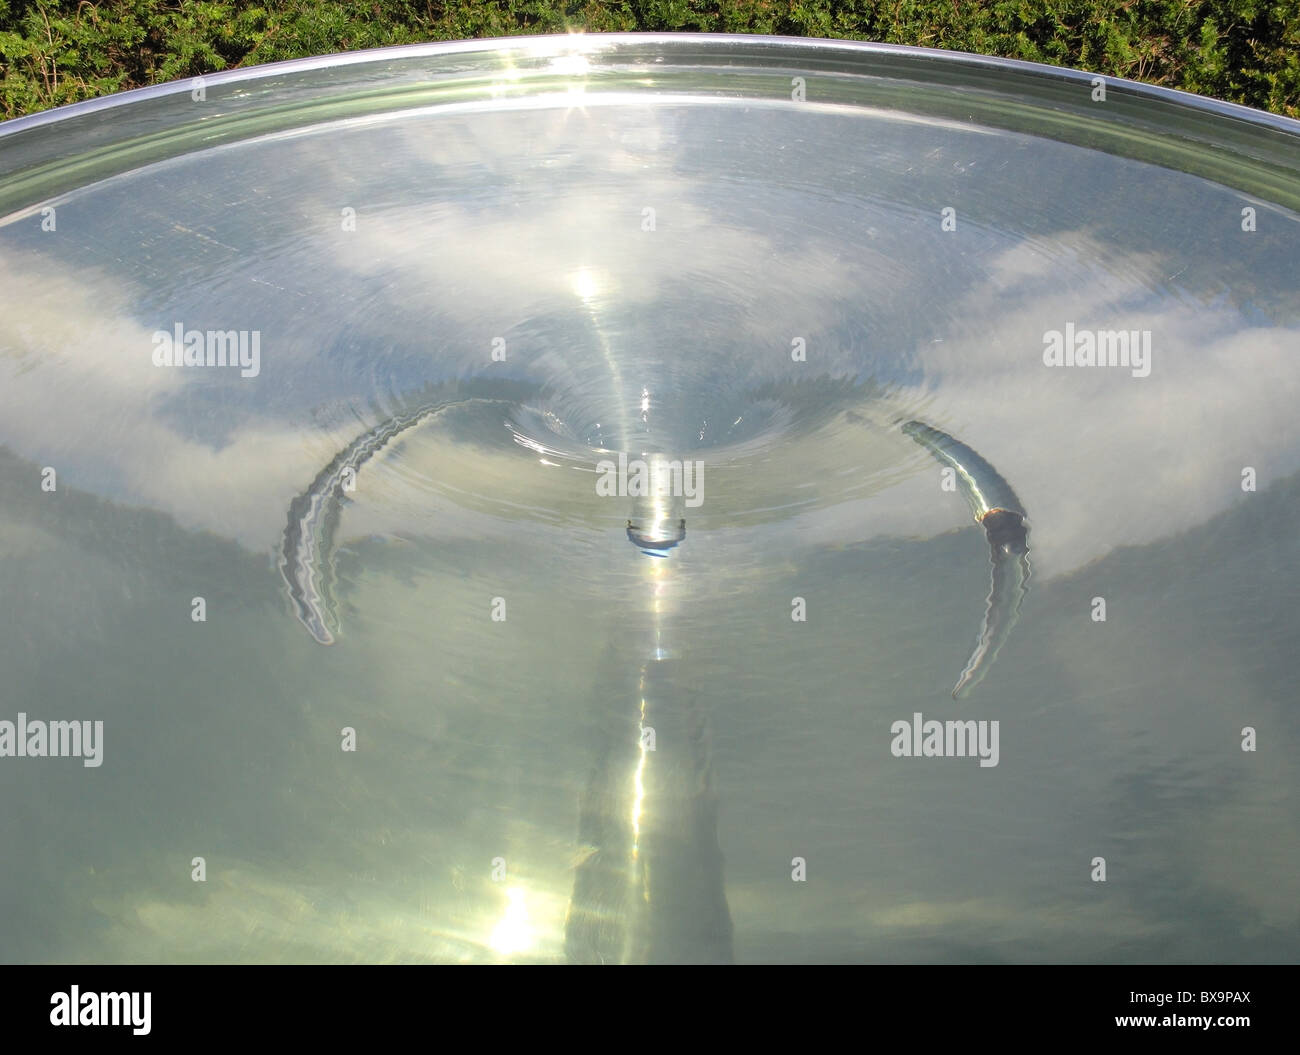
(729, 251)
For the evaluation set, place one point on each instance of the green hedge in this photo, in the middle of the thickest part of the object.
(60, 51)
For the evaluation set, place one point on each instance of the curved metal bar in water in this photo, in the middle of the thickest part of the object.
(1007, 593)
(982, 485)
(307, 548)
(997, 507)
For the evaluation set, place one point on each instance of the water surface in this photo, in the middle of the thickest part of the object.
(643, 250)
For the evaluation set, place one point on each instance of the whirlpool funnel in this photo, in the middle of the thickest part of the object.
(649, 499)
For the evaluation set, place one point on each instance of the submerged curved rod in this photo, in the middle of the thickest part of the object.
(999, 510)
(307, 547)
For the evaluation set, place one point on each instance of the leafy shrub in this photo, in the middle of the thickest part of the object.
(61, 51)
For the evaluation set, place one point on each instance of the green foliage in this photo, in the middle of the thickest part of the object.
(61, 51)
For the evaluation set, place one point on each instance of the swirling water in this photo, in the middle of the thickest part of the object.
(397, 528)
